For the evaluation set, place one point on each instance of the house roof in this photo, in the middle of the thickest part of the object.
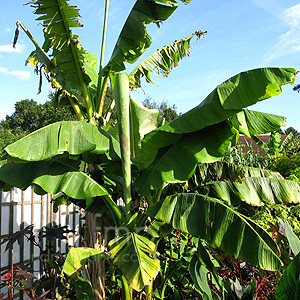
(248, 143)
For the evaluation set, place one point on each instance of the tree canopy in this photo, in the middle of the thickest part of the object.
(166, 111)
(28, 117)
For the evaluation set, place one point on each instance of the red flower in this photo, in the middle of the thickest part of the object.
(7, 276)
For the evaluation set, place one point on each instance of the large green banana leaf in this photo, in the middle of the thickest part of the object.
(223, 171)
(178, 162)
(249, 122)
(256, 191)
(134, 39)
(229, 98)
(219, 170)
(135, 256)
(199, 275)
(73, 137)
(199, 267)
(257, 172)
(162, 61)
(77, 258)
(220, 226)
(288, 287)
(52, 176)
(293, 239)
(142, 121)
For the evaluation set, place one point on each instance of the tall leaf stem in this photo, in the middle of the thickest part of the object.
(121, 95)
(76, 108)
(103, 92)
(100, 89)
(19, 23)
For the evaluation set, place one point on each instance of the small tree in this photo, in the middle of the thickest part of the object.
(166, 112)
(28, 117)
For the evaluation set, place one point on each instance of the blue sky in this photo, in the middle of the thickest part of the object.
(242, 35)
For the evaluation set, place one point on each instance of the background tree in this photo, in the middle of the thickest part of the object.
(166, 111)
(30, 116)
(293, 131)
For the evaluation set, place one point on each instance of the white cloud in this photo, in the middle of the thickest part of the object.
(290, 40)
(292, 15)
(270, 6)
(10, 49)
(8, 30)
(23, 75)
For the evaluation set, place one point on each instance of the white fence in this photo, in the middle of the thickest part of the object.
(18, 209)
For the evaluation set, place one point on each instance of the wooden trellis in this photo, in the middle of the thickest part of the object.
(19, 209)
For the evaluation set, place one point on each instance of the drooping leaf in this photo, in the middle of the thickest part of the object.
(288, 287)
(162, 61)
(178, 162)
(257, 191)
(134, 39)
(249, 122)
(257, 172)
(135, 256)
(53, 176)
(73, 137)
(205, 259)
(229, 98)
(218, 171)
(199, 276)
(220, 226)
(77, 258)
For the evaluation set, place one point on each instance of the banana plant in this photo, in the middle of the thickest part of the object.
(93, 163)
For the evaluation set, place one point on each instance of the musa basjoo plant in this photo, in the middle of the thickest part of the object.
(95, 164)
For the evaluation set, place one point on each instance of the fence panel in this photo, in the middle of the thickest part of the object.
(18, 209)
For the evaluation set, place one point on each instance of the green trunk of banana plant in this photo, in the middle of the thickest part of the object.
(121, 95)
(95, 239)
